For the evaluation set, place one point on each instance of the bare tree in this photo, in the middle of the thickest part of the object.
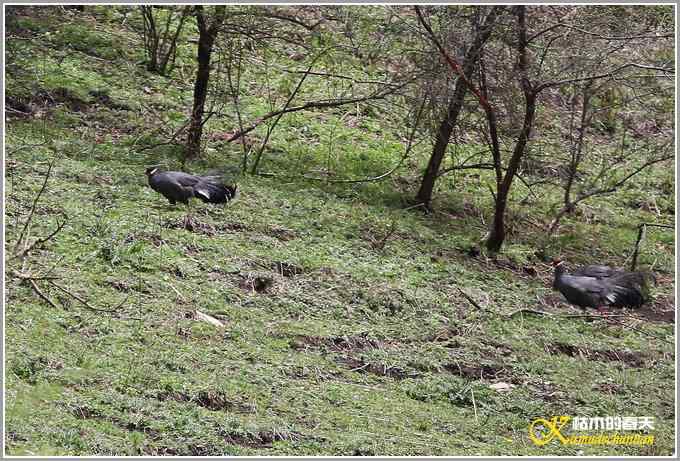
(208, 29)
(594, 165)
(160, 38)
(482, 28)
(535, 58)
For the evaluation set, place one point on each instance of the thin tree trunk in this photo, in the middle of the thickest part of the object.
(472, 55)
(207, 35)
(424, 195)
(496, 236)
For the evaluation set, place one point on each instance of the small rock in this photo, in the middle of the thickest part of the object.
(501, 387)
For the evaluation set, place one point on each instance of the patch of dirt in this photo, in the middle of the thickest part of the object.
(257, 284)
(160, 451)
(608, 388)
(281, 233)
(547, 391)
(119, 285)
(12, 436)
(481, 371)
(44, 99)
(263, 439)
(231, 227)
(82, 412)
(380, 369)
(176, 271)
(314, 373)
(198, 227)
(286, 269)
(155, 239)
(447, 335)
(198, 449)
(335, 343)
(103, 99)
(630, 358)
(192, 250)
(191, 449)
(212, 400)
(662, 309)
(500, 349)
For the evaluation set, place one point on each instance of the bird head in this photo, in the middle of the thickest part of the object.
(557, 262)
(152, 170)
(560, 267)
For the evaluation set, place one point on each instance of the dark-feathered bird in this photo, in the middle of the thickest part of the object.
(178, 186)
(600, 286)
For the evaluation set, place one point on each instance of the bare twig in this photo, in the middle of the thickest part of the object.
(642, 228)
(258, 155)
(473, 302)
(384, 175)
(41, 294)
(40, 241)
(316, 105)
(85, 303)
(23, 233)
(646, 333)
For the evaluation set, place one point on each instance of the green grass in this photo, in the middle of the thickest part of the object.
(366, 350)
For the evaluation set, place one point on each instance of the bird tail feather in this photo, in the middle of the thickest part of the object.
(210, 192)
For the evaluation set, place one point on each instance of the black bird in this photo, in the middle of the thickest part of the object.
(178, 186)
(600, 286)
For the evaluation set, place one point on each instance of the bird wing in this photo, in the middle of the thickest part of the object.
(597, 271)
(181, 178)
(583, 291)
(172, 185)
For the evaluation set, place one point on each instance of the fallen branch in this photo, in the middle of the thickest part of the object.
(23, 235)
(652, 335)
(40, 293)
(563, 316)
(473, 302)
(208, 318)
(85, 303)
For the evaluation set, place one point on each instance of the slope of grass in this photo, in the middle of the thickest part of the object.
(345, 328)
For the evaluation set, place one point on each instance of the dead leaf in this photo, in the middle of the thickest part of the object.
(208, 318)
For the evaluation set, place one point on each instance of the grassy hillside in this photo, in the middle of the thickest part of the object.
(352, 325)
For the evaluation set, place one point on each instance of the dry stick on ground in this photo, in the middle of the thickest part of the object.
(24, 274)
(23, 235)
(562, 316)
(646, 333)
(85, 303)
(473, 302)
(40, 293)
